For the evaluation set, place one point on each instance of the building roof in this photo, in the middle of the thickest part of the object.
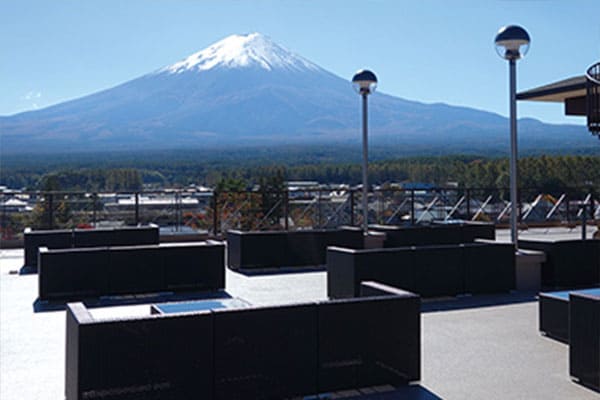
(557, 91)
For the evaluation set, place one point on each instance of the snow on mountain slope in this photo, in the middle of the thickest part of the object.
(248, 89)
(234, 51)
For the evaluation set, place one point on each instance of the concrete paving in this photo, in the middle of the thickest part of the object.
(471, 349)
(550, 233)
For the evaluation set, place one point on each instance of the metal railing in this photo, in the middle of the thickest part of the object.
(213, 213)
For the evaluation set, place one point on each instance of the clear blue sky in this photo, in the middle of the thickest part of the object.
(426, 50)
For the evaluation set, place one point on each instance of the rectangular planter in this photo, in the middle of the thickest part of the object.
(584, 333)
(249, 353)
(435, 234)
(277, 249)
(81, 238)
(75, 274)
(431, 271)
(554, 315)
(569, 263)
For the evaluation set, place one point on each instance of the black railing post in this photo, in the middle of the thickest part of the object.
(137, 208)
(592, 205)
(94, 205)
(50, 211)
(412, 206)
(215, 213)
(351, 207)
(584, 221)
(4, 223)
(177, 211)
(519, 208)
(319, 209)
(381, 195)
(468, 196)
(286, 205)
(567, 201)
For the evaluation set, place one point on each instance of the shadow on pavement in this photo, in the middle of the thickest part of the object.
(476, 301)
(411, 392)
(278, 271)
(109, 301)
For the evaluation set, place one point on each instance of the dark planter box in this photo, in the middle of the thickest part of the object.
(435, 234)
(256, 249)
(584, 336)
(32, 240)
(402, 236)
(251, 353)
(427, 270)
(554, 316)
(439, 270)
(471, 231)
(265, 352)
(489, 267)
(275, 249)
(136, 269)
(145, 358)
(183, 274)
(78, 238)
(365, 342)
(75, 274)
(346, 268)
(569, 263)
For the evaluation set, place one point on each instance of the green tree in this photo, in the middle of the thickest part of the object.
(272, 191)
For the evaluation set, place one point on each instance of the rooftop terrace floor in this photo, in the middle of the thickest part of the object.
(472, 348)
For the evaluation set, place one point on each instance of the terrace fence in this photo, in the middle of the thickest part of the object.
(213, 213)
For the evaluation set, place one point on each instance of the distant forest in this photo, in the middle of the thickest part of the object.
(547, 173)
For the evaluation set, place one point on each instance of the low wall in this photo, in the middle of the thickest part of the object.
(78, 238)
(553, 316)
(569, 263)
(54, 239)
(74, 274)
(427, 270)
(422, 235)
(260, 352)
(157, 357)
(274, 249)
(584, 345)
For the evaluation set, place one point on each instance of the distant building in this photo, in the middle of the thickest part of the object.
(15, 205)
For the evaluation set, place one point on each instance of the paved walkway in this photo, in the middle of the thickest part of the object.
(468, 352)
(553, 233)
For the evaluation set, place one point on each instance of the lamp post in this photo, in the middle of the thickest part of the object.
(512, 43)
(365, 82)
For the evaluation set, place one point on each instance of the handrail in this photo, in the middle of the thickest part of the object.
(532, 206)
(216, 212)
(427, 209)
(453, 210)
(556, 205)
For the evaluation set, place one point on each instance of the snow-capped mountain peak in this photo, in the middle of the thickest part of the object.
(251, 50)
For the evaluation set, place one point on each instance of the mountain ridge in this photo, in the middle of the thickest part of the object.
(248, 89)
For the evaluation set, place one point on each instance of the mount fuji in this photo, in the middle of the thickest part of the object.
(246, 89)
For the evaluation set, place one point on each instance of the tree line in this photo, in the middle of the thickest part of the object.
(547, 173)
(92, 180)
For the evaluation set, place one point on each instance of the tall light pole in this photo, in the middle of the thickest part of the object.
(512, 43)
(365, 82)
